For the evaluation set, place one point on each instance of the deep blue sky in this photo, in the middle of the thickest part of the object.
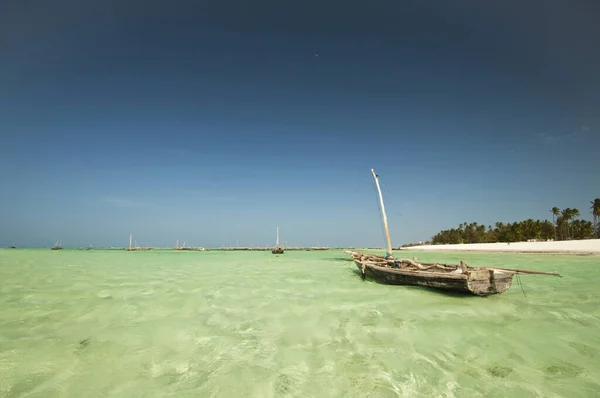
(215, 123)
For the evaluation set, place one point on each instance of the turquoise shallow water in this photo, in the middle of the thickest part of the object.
(186, 324)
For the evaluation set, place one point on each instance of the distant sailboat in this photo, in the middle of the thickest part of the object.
(57, 246)
(142, 247)
(277, 250)
(177, 247)
(131, 247)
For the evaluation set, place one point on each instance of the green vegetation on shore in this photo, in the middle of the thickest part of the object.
(565, 225)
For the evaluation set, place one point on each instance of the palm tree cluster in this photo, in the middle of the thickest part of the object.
(596, 213)
(565, 225)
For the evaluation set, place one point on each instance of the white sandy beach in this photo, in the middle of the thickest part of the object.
(564, 246)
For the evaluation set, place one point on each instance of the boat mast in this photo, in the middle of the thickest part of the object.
(277, 241)
(385, 224)
(130, 238)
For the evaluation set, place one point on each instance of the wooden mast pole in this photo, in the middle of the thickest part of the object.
(385, 224)
(277, 241)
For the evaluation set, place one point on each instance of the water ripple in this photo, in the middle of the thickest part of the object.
(166, 324)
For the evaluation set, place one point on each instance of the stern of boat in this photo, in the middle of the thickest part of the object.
(489, 281)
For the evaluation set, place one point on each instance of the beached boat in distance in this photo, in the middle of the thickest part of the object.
(184, 247)
(277, 250)
(131, 248)
(480, 281)
(134, 246)
(56, 246)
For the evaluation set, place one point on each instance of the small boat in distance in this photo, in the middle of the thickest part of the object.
(184, 247)
(136, 247)
(56, 246)
(277, 250)
(131, 247)
(479, 281)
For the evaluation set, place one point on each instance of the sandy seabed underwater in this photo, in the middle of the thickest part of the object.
(161, 323)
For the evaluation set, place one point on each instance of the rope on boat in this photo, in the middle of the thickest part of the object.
(397, 263)
(560, 276)
(521, 284)
(388, 255)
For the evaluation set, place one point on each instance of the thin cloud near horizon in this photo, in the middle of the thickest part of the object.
(125, 202)
(578, 135)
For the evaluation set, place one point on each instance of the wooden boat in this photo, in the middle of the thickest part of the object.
(184, 247)
(277, 249)
(480, 281)
(131, 248)
(56, 246)
(177, 247)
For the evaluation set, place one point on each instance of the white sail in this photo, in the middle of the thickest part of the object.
(385, 224)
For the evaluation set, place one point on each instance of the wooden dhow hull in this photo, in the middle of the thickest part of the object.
(452, 278)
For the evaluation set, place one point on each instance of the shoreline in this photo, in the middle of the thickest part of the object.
(578, 247)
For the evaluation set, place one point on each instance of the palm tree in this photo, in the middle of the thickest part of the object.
(555, 212)
(596, 213)
(574, 213)
(563, 222)
(568, 215)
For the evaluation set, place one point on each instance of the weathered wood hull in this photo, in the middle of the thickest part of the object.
(482, 282)
(277, 251)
